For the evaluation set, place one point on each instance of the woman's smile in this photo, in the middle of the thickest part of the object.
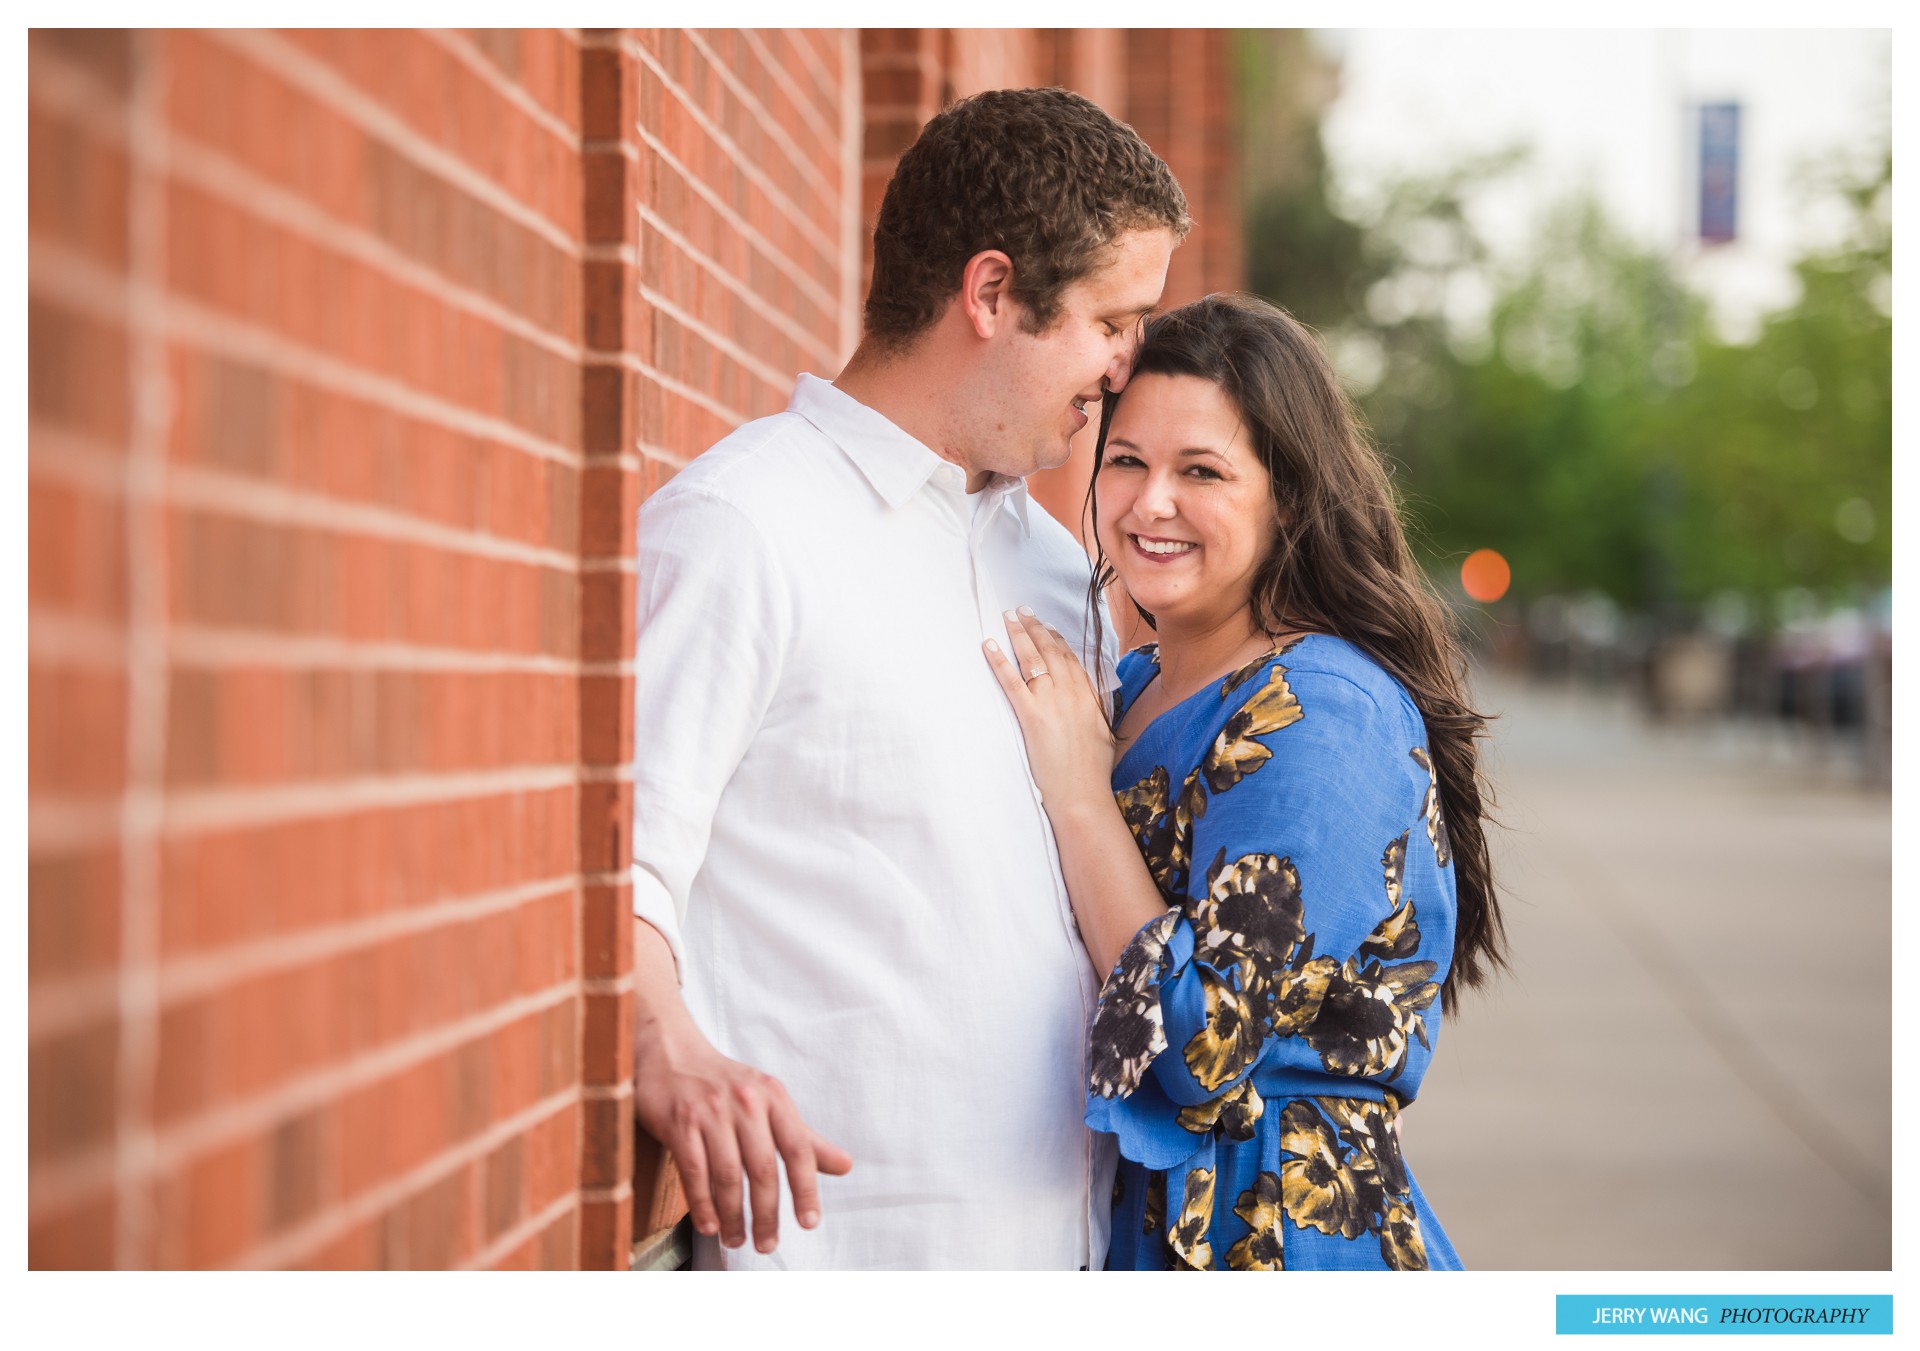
(1160, 550)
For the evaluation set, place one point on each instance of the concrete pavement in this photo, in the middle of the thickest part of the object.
(1689, 1066)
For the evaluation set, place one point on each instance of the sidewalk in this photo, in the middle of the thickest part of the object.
(1689, 1066)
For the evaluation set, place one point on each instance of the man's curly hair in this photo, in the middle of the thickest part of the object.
(1044, 175)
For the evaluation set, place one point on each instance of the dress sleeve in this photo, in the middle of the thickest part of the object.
(714, 622)
(1280, 847)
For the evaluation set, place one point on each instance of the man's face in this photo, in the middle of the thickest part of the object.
(1037, 389)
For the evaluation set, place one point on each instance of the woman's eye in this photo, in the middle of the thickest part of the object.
(1203, 471)
(1120, 461)
(1113, 330)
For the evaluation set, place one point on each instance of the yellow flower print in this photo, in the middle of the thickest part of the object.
(1188, 1235)
(1317, 1189)
(1260, 1206)
(1251, 914)
(1243, 674)
(1128, 1030)
(1229, 1041)
(1189, 807)
(1235, 1112)
(1367, 1015)
(1394, 863)
(1162, 826)
(1398, 936)
(1400, 1242)
(1372, 1131)
(1235, 753)
(1430, 808)
(1155, 1209)
(1144, 808)
(1299, 993)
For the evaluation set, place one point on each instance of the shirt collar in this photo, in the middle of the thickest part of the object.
(897, 465)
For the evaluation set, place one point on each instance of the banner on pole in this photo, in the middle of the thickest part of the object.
(1719, 171)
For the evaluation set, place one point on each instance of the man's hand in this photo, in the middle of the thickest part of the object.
(722, 1120)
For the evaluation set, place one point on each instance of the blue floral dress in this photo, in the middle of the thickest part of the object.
(1254, 1045)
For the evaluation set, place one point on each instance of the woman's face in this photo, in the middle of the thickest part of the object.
(1186, 511)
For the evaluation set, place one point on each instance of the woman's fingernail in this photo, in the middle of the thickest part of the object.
(809, 1218)
(1027, 610)
(992, 646)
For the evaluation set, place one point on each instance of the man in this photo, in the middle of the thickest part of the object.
(850, 926)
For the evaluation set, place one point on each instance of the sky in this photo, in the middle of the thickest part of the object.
(1609, 108)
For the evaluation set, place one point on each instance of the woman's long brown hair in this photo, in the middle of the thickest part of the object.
(1341, 564)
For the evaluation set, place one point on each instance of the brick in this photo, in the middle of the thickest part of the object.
(606, 1235)
(516, 1072)
(256, 882)
(606, 809)
(604, 113)
(76, 549)
(358, 1249)
(209, 1211)
(72, 1092)
(606, 948)
(77, 188)
(607, 1045)
(448, 105)
(300, 1168)
(77, 372)
(77, 1238)
(607, 616)
(505, 1187)
(278, 724)
(559, 1243)
(105, 54)
(249, 1037)
(559, 1046)
(522, 1257)
(606, 719)
(76, 736)
(73, 912)
(553, 1157)
(546, 952)
(606, 1151)
(440, 1222)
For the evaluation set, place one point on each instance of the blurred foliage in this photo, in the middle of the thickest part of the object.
(1576, 408)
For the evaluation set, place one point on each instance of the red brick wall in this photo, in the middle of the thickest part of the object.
(305, 473)
(351, 356)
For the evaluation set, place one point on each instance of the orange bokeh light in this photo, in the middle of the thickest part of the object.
(1485, 575)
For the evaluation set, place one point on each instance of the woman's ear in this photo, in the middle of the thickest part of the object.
(986, 287)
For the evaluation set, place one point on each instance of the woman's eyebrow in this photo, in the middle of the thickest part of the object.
(1115, 442)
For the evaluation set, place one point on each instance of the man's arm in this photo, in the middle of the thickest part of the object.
(713, 626)
(719, 1119)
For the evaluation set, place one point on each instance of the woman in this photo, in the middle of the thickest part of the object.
(1296, 768)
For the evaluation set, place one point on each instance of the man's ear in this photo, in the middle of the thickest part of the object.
(986, 291)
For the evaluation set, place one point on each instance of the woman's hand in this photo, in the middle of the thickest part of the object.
(1069, 745)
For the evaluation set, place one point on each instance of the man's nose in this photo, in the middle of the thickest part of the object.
(1121, 367)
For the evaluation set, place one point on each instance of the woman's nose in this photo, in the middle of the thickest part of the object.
(1156, 500)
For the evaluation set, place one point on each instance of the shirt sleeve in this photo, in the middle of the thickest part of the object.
(1281, 848)
(715, 620)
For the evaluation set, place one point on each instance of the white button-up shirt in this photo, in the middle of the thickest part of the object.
(836, 832)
